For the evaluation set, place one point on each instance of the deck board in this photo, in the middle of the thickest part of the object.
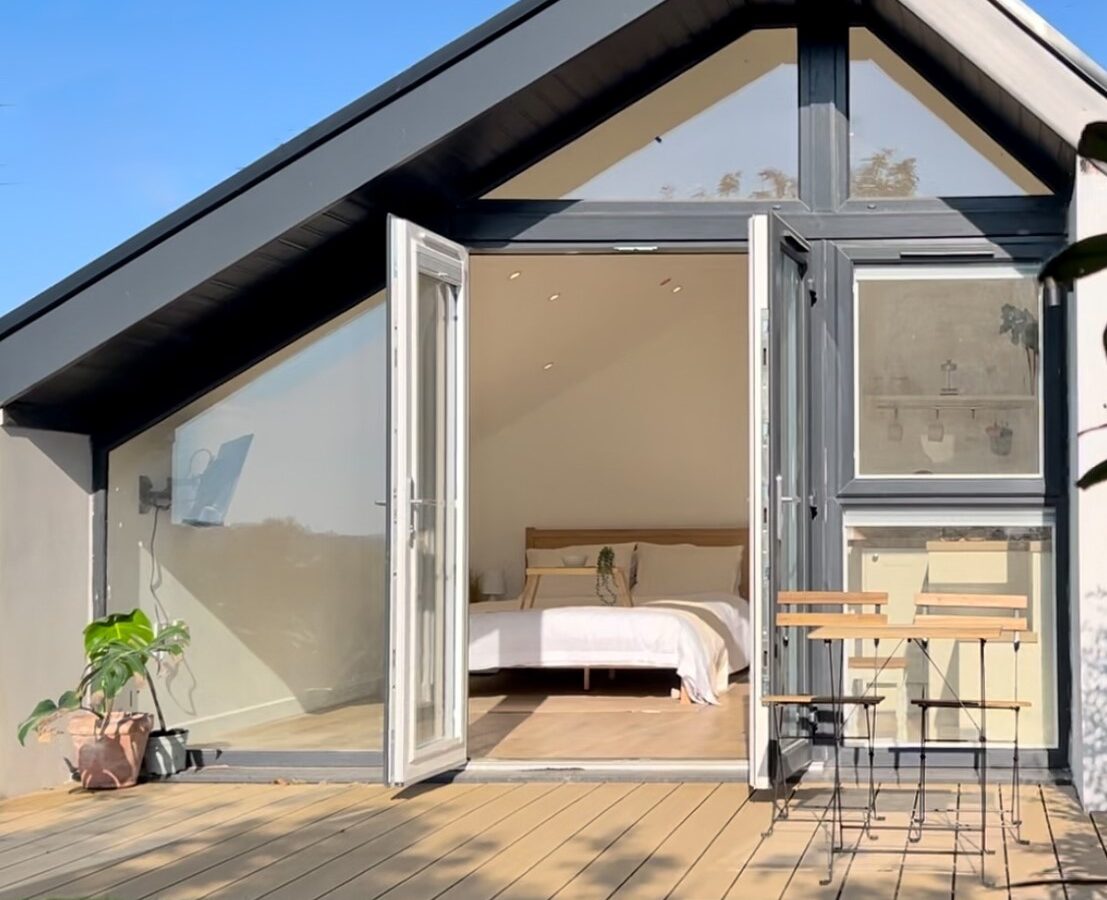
(468, 841)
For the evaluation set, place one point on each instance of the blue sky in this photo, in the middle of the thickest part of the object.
(116, 112)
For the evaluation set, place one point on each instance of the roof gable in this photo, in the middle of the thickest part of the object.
(297, 237)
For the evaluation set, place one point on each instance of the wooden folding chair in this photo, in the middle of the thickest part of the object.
(1008, 614)
(809, 602)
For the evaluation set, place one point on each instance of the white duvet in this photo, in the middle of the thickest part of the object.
(703, 637)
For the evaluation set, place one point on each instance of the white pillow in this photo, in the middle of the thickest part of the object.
(677, 569)
(575, 585)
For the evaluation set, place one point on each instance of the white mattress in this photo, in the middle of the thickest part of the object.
(702, 637)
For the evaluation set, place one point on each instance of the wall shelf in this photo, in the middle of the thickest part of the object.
(954, 401)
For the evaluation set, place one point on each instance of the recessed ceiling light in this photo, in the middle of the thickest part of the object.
(678, 289)
(547, 367)
(554, 296)
(514, 275)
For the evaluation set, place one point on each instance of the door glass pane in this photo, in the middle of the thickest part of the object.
(908, 140)
(727, 129)
(789, 419)
(256, 515)
(791, 426)
(948, 372)
(963, 553)
(431, 509)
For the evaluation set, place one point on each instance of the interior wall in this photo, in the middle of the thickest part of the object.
(641, 421)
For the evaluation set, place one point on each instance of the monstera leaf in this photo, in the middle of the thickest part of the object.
(133, 629)
(1093, 142)
(46, 712)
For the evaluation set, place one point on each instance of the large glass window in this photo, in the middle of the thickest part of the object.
(256, 516)
(957, 551)
(948, 371)
(727, 129)
(908, 140)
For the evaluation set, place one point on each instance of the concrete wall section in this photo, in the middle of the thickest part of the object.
(1088, 563)
(45, 589)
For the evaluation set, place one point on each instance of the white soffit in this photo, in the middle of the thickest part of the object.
(1017, 61)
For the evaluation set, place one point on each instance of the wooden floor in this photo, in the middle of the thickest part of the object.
(531, 714)
(548, 715)
(531, 840)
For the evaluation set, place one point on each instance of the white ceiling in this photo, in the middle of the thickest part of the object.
(607, 306)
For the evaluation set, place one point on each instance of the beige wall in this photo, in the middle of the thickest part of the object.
(45, 589)
(642, 419)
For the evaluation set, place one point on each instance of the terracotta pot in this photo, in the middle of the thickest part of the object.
(109, 757)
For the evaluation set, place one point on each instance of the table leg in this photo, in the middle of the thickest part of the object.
(837, 825)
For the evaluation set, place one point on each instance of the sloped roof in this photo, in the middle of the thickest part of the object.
(298, 236)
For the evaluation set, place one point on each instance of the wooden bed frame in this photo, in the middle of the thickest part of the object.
(556, 538)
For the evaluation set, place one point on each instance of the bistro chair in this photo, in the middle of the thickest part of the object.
(777, 704)
(1008, 614)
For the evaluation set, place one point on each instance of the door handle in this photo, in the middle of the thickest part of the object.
(781, 499)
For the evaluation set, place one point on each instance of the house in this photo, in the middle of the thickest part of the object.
(743, 290)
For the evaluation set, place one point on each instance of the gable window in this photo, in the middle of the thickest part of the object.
(908, 140)
(727, 129)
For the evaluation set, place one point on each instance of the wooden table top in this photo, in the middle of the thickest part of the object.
(906, 633)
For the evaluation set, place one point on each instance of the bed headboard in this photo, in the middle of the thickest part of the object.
(553, 538)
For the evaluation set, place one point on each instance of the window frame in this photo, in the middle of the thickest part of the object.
(966, 272)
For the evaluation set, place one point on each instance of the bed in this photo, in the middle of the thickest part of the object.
(703, 637)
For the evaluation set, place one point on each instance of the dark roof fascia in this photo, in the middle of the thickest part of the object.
(276, 159)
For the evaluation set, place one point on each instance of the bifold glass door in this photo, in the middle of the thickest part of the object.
(428, 557)
(779, 503)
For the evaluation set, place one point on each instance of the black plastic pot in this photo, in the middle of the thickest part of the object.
(166, 752)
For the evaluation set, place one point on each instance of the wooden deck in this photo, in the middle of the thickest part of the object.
(526, 840)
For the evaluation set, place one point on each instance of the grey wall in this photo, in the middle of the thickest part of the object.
(45, 589)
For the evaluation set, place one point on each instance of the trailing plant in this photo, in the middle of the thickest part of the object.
(605, 577)
(118, 648)
(1021, 325)
(1083, 258)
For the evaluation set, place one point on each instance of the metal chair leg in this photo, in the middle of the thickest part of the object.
(920, 817)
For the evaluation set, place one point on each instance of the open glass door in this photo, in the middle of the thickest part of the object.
(428, 557)
(779, 497)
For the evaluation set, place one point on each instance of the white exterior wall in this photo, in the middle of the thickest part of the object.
(45, 589)
(1088, 561)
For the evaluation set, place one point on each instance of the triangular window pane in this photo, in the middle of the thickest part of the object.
(909, 140)
(727, 129)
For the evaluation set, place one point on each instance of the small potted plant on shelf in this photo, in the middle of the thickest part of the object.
(605, 577)
(110, 744)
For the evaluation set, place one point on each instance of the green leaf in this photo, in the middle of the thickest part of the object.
(43, 711)
(1097, 474)
(1093, 142)
(1077, 260)
(132, 628)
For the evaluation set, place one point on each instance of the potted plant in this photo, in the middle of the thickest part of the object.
(605, 577)
(1021, 325)
(109, 744)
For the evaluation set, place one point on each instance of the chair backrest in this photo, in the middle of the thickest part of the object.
(818, 604)
(1006, 611)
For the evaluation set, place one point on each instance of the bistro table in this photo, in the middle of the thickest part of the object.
(921, 635)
